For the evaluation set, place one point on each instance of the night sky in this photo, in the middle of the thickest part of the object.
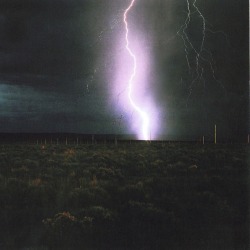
(58, 66)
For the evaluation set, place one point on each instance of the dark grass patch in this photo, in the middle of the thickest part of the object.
(138, 196)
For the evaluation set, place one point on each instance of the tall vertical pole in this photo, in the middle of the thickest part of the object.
(203, 139)
(248, 138)
(115, 140)
(215, 134)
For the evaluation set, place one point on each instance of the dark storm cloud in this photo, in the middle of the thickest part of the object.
(24, 108)
(49, 38)
(54, 56)
(222, 94)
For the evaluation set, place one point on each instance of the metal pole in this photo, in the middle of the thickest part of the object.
(215, 134)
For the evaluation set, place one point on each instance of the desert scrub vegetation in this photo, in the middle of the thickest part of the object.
(154, 196)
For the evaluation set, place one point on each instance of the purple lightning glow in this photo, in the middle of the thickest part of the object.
(144, 115)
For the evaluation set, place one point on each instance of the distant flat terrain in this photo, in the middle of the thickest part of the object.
(125, 196)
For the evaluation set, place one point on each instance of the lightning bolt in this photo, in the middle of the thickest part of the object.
(143, 114)
(202, 55)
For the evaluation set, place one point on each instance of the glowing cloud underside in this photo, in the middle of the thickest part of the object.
(144, 116)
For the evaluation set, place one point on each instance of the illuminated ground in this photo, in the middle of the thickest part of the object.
(129, 196)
